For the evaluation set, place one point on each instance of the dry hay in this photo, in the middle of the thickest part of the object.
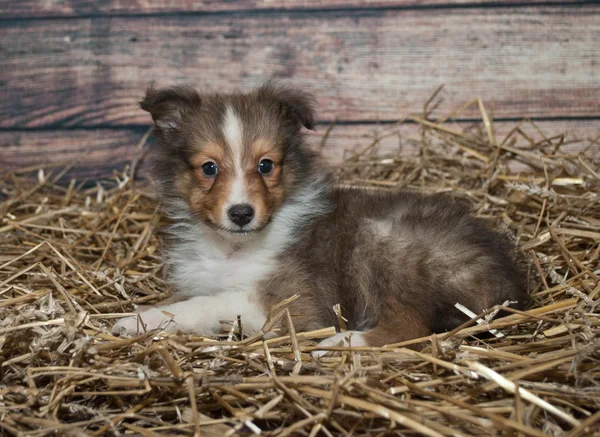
(72, 260)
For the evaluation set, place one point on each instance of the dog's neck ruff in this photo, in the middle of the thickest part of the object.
(204, 261)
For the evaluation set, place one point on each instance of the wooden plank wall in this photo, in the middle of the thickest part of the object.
(72, 71)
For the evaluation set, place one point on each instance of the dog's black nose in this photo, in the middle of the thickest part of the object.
(241, 214)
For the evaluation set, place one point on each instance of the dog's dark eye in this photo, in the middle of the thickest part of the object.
(265, 166)
(210, 168)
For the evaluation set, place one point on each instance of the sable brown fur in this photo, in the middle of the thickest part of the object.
(74, 259)
(397, 263)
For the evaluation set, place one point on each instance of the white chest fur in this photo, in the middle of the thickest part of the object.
(204, 262)
(219, 276)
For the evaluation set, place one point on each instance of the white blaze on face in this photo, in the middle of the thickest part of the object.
(234, 137)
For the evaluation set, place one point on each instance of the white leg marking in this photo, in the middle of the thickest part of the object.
(199, 315)
(348, 339)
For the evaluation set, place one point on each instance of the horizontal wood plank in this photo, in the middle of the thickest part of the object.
(78, 8)
(99, 151)
(92, 72)
(94, 154)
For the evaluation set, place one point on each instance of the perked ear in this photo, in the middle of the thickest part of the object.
(299, 104)
(167, 106)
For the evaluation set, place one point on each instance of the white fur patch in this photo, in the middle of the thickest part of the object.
(381, 228)
(201, 315)
(233, 131)
(238, 193)
(347, 339)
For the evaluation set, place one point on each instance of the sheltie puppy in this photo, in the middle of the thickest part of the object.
(256, 219)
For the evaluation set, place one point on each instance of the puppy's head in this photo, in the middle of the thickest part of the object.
(233, 158)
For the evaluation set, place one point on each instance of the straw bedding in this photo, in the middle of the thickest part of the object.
(73, 260)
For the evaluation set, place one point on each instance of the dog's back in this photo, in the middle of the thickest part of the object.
(399, 262)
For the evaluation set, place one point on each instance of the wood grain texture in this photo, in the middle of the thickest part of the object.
(374, 65)
(100, 151)
(94, 153)
(77, 8)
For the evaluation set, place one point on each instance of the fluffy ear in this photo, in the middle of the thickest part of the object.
(299, 104)
(168, 105)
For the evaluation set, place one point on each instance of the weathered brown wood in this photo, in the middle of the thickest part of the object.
(109, 149)
(362, 66)
(94, 153)
(76, 8)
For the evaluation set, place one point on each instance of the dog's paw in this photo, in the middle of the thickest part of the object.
(146, 321)
(346, 339)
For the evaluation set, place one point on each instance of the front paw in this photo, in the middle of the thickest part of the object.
(149, 320)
